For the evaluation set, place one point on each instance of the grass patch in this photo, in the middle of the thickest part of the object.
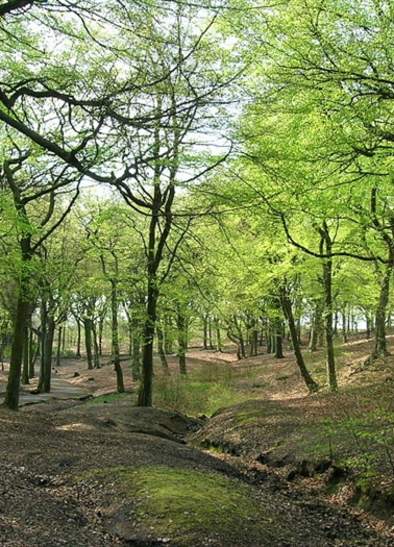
(188, 505)
(194, 395)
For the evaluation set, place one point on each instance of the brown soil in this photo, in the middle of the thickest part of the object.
(60, 459)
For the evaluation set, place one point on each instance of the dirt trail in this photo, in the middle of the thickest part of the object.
(60, 390)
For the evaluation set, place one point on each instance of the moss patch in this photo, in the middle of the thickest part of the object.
(190, 506)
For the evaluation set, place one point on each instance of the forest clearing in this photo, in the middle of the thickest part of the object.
(196, 284)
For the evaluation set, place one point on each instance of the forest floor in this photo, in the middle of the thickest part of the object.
(272, 467)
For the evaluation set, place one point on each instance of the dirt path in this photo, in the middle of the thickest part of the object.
(60, 390)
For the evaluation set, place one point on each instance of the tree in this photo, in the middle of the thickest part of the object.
(34, 188)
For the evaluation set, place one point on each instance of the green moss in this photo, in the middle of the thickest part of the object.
(187, 505)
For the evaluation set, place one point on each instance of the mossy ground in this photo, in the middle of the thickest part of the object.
(353, 429)
(190, 507)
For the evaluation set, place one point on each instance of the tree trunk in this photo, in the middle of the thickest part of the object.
(160, 347)
(219, 346)
(288, 312)
(21, 318)
(254, 342)
(59, 345)
(100, 336)
(210, 337)
(269, 339)
(299, 331)
(65, 332)
(88, 341)
(316, 327)
(205, 332)
(181, 322)
(279, 344)
(335, 324)
(156, 244)
(130, 334)
(380, 346)
(44, 385)
(115, 338)
(136, 356)
(33, 352)
(168, 342)
(252, 336)
(344, 330)
(145, 392)
(328, 301)
(240, 337)
(96, 347)
(25, 371)
(14, 375)
(78, 353)
(368, 325)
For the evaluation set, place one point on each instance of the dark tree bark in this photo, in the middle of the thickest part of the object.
(44, 385)
(240, 336)
(14, 5)
(21, 320)
(299, 334)
(219, 346)
(279, 339)
(134, 329)
(181, 322)
(168, 342)
(78, 352)
(269, 338)
(59, 345)
(385, 229)
(100, 335)
(87, 322)
(160, 347)
(210, 334)
(96, 349)
(27, 247)
(380, 344)
(344, 329)
(368, 331)
(157, 240)
(115, 337)
(326, 247)
(252, 335)
(33, 352)
(25, 370)
(288, 312)
(145, 393)
(129, 332)
(64, 333)
(136, 357)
